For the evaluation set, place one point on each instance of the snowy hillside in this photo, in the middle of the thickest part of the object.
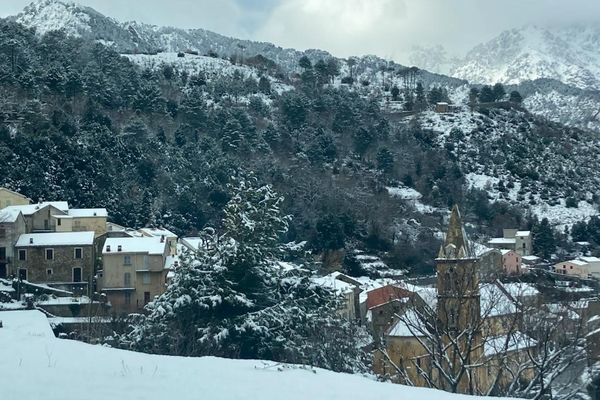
(569, 55)
(520, 159)
(37, 365)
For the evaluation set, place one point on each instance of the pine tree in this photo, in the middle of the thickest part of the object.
(231, 299)
(544, 243)
(515, 97)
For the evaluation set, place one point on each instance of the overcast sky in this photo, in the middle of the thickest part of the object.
(388, 28)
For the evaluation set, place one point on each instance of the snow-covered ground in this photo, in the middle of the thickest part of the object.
(35, 365)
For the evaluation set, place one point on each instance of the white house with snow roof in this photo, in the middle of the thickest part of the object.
(582, 267)
(513, 239)
(134, 271)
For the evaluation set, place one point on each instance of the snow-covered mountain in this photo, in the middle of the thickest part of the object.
(569, 54)
(134, 37)
(137, 38)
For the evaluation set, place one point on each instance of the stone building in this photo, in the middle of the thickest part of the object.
(474, 322)
(59, 258)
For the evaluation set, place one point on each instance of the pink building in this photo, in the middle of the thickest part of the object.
(511, 262)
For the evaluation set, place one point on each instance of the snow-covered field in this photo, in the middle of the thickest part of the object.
(35, 365)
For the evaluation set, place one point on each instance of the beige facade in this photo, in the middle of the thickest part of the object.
(9, 198)
(12, 225)
(573, 267)
(133, 272)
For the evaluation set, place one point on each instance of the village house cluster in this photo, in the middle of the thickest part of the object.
(474, 304)
(59, 249)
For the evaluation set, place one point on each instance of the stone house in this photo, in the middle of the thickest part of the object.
(134, 271)
(63, 259)
(10, 198)
(12, 225)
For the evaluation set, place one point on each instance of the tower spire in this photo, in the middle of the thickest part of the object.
(457, 244)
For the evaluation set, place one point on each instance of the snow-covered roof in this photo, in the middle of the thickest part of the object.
(112, 227)
(494, 301)
(410, 324)
(331, 282)
(30, 209)
(87, 212)
(150, 245)
(507, 343)
(574, 262)
(590, 259)
(522, 233)
(56, 239)
(502, 241)
(520, 289)
(192, 243)
(505, 251)
(157, 232)
(530, 258)
(9, 215)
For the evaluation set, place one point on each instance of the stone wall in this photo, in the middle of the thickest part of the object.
(61, 265)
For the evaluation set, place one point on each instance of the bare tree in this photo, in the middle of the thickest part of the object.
(508, 350)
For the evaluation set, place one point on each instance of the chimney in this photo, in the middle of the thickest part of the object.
(30, 240)
(119, 248)
(108, 248)
(162, 238)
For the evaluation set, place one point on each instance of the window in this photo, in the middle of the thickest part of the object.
(127, 279)
(22, 254)
(77, 274)
(571, 267)
(49, 272)
(146, 278)
(127, 298)
(22, 274)
(146, 297)
(126, 260)
(2, 233)
(49, 254)
(59, 221)
(77, 223)
(517, 259)
(78, 253)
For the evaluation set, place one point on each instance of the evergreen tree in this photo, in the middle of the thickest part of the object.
(305, 63)
(231, 299)
(544, 243)
(498, 91)
(486, 95)
(515, 97)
